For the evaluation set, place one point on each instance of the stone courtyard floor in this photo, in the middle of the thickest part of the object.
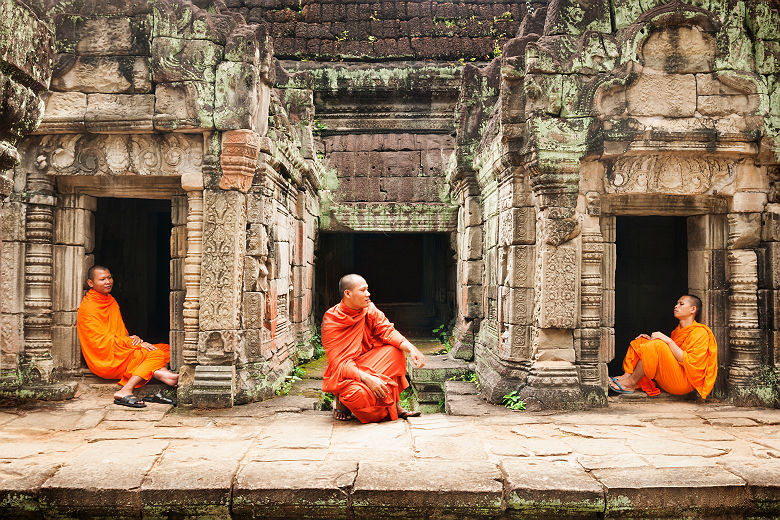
(88, 458)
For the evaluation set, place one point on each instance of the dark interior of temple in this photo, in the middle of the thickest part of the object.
(651, 273)
(132, 239)
(410, 275)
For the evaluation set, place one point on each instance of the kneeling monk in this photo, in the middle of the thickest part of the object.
(108, 349)
(685, 362)
(366, 361)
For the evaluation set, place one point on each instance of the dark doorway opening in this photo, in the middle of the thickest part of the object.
(132, 239)
(410, 275)
(651, 273)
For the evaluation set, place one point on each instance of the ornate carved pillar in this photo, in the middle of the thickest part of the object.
(589, 361)
(221, 336)
(37, 362)
(744, 334)
(192, 264)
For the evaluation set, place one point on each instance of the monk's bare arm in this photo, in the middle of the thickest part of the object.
(417, 357)
(676, 351)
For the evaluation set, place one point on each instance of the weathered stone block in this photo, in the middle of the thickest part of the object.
(214, 386)
(471, 272)
(106, 74)
(74, 227)
(188, 104)
(543, 93)
(517, 226)
(12, 279)
(567, 17)
(678, 50)
(472, 243)
(179, 241)
(672, 95)
(176, 278)
(253, 310)
(68, 289)
(13, 221)
(517, 265)
(66, 349)
(119, 112)
(515, 343)
(70, 200)
(104, 36)
(174, 60)
(64, 112)
(471, 301)
(219, 346)
(744, 230)
(706, 232)
(241, 98)
(472, 212)
(11, 339)
(719, 106)
(748, 202)
(176, 312)
(516, 305)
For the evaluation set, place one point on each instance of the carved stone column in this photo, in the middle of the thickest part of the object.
(744, 334)
(589, 360)
(221, 336)
(192, 274)
(37, 362)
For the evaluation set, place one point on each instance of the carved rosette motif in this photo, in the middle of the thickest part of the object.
(192, 264)
(240, 152)
(744, 334)
(141, 154)
(673, 174)
(591, 286)
(38, 277)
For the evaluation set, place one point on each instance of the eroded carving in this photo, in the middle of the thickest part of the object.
(669, 174)
(240, 151)
(559, 277)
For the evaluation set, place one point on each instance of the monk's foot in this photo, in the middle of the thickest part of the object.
(166, 376)
(621, 385)
(341, 412)
(403, 414)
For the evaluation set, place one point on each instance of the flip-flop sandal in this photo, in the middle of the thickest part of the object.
(406, 414)
(159, 398)
(619, 389)
(130, 401)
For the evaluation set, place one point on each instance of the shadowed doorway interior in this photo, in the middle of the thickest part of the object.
(651, 273)
(132, 239)
(409, 275)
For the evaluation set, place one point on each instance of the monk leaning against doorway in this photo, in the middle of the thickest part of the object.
(366, 362)
(110, 352)
(680, 364)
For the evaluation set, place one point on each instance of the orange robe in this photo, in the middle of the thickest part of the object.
(107, 348)
(698, 369)
(363, 340)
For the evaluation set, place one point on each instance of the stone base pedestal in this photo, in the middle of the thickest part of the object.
(41, 392)
(214, 386)
(499, 377)
(760, 389)
(553, 385)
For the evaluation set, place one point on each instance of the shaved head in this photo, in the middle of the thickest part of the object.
(694, 301)
(349, 282)
(91, 272)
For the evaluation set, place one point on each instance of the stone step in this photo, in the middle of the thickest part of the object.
(428, 382)
(462, 398)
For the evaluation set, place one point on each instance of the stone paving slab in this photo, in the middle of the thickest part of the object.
(88, 458)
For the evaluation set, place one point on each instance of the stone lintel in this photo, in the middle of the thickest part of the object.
(662, 204)
(389, 216)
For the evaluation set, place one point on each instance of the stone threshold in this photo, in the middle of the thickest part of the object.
(408, 489)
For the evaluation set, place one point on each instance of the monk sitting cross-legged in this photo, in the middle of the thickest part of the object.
(113, 354)
(366, 362)
(685, 362)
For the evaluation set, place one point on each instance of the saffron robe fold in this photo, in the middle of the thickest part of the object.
(698, 369)
(358, 340)
(107, 348)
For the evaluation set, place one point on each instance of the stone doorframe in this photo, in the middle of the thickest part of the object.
(707, 224)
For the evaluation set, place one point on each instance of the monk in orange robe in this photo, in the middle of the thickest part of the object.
(366, 357)
(680, 364)
(110, 352)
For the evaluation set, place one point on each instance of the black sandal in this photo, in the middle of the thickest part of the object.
(130, 401)
(159, 398)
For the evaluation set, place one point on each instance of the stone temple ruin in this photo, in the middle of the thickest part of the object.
(546, 177)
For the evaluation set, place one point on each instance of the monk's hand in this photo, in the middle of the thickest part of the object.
(148, 346)
(135, 340)
(643, 336)
(660, 335)
(375, 385)
(418, 359)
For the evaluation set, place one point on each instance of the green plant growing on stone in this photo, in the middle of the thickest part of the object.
(496, 50)
(513, 401)
(319, 126)
(297, 374)
(470, 376)
(442, 334)
(326, 401)
(342, 36)
(405, 399)
(372, 38)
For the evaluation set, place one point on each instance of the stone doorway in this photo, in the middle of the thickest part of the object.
(651, 272)
(132, 238)
(410, 275)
